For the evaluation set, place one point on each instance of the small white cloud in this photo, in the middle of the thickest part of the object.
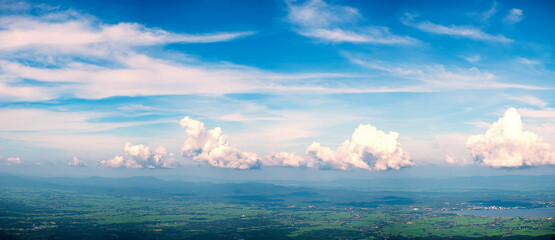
(490, 12)
(505, 144)
(454, 161)
(369, 148)
(450, 159)
(140, 156)
(453, 30)
(76, 162)
(534, 101)
(527, 61)
(13, 161)
(515, 15)
(480, 124)
(211, 147)
(472, 59)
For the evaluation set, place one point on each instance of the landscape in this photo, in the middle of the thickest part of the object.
(150, 208)
(277, 119)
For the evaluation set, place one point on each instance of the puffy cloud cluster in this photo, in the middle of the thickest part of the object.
(13, 161)
(505, 144)
(287, 159)
(369, 149)
(140, 156)
(211, 147)
(76, 163)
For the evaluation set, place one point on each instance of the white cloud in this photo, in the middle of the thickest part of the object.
(472, 59)
(534, 101)
(13, 161)
(515, 15)
(454, 161)
(76, 162)
(211, 147)
(541, 113)
(490, 12)
(450, 159)
(505, 144)
(140, 156)
(114, 66)
(287, 159)
(328, 22)
(63, 32)
(453, 30)
(369, 148)
(438, 77)
(238, 117)
(480, 124)
(527, 61)
(375, 35)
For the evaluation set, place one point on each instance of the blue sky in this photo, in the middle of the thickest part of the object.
(413, 86)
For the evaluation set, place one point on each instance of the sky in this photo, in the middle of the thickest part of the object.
(277, 89)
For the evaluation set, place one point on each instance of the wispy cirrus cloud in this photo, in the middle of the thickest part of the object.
(70, 32)
(491, 11)
(331, 23)
(68, 54)
(438, 77)
(534, 101)
(538, 113)
(470, 32)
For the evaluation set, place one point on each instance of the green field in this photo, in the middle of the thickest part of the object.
(37, 213)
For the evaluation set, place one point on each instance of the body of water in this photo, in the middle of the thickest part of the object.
(531, 212)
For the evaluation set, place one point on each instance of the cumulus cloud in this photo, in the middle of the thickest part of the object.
(454, 161)
(369, 148)
(328, 22)
(515, 15)
(76, 163)
(211, 147)
(140, 156)
(288, 159)
(505, 144)
(13, 161)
